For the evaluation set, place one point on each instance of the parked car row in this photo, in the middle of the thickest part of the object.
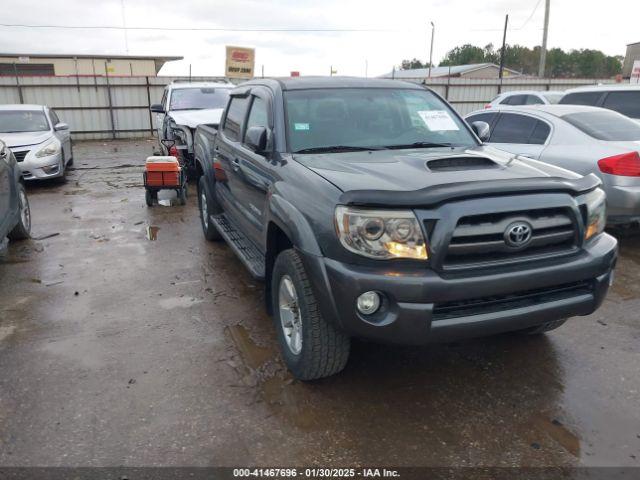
(621, 98)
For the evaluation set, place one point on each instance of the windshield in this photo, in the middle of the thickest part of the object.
(605, 125)
(15, 121)
(198, 98)
(353, 118)
(553, 98)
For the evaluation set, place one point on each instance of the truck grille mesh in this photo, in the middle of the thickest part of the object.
(480, 239)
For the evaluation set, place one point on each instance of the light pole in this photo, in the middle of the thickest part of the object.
(433, 31)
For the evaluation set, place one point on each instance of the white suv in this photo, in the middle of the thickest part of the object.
(622, 98)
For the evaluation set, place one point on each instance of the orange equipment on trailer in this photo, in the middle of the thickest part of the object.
(164, 173)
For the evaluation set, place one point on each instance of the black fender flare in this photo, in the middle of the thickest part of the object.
(293, 223)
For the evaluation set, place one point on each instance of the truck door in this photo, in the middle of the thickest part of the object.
(229, 185)
(253, 169)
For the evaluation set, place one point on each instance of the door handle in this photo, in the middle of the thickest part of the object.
(235, 164)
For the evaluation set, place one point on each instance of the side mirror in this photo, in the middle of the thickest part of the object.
(157, 108)
(256, 139)
(61, 126)
(482, 130)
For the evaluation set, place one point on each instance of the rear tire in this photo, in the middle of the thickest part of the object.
(205, 205)
(312, 348)
(148, 197)
(544, 328)
(22, 230)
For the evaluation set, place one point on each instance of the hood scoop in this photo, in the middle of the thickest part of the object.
(452, 164)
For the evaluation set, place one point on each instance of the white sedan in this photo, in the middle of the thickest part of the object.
(526, 97)
(38, 139)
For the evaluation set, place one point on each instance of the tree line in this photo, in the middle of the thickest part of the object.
(582, 63)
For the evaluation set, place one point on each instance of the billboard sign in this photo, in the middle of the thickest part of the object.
(240, 62)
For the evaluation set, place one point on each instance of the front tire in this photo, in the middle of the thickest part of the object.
(312, 348)
(544, 328)
(205, 204)
(23, 229)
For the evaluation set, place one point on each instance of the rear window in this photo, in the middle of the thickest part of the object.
(608, 126)
(581, 98)
(624, 102)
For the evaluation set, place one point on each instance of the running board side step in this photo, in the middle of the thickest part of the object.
(241, 245)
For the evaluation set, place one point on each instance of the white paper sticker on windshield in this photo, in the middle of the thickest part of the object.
(438, 120)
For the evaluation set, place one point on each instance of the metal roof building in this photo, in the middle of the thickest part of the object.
(12, 64)
(633, 54)
(473, 70)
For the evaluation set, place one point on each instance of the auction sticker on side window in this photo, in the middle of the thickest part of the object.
(438, 120)
(301, 126)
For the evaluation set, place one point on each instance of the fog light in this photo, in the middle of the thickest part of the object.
(368, 303)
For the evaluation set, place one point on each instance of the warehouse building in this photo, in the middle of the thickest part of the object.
(633, 54)
(474, 70)
(12, 64)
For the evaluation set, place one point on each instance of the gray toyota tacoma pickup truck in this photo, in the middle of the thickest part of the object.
(371, 209)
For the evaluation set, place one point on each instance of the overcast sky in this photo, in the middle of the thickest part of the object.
(604, 25)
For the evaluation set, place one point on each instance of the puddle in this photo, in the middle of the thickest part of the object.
(152, 233)
(561, 434)
(287, 399)
(254, 355)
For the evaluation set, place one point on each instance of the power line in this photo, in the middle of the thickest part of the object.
(530, 16)
(200, 29)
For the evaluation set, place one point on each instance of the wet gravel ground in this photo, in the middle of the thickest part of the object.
(127, 339)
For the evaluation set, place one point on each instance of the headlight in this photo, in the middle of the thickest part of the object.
(380, 234)
(50, 148)
(596, 213)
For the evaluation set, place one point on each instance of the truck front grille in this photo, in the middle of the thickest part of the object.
(498, 303)
(482, 239)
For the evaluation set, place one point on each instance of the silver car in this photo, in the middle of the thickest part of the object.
(578, 138)
(40, 142)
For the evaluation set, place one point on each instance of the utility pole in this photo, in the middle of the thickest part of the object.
(543, 49)
(503, 51)
(433, 30)
(124, 26)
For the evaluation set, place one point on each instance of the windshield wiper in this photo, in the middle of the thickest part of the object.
(418, 145)
(336, 148)
(192, 108)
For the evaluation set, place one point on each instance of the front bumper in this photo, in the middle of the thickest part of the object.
(39, 168)
(422, 306)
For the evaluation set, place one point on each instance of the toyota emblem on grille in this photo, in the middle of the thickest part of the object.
(518, 234)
